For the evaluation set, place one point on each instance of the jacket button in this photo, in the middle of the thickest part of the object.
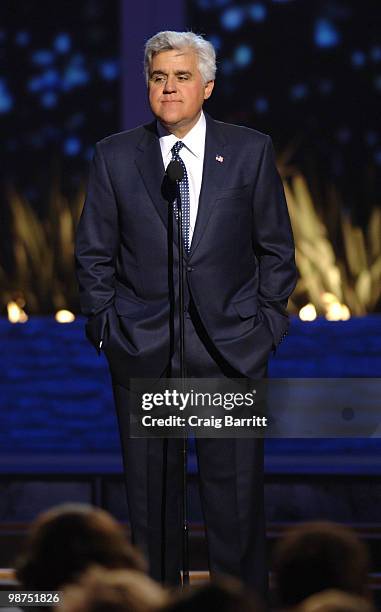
(189, 269)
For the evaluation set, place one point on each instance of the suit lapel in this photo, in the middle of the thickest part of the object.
(150, 164)
(213, 175)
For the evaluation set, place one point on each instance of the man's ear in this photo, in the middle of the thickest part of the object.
(208, 89)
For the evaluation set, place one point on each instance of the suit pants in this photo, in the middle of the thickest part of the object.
(230, 484)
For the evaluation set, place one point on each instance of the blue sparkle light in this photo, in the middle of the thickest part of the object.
(261, 105)
(49, 99)
(298, 91)
(109, 70)
(22, 38)
(358, 59)
(72, 146)
(3, 36)
(232, 18)
(375, 54)
(326, 35)
(42, 57)
(62, 42)
(258, 12)
(6, 100)
(243, 55)
(50, 78)
(74, 76)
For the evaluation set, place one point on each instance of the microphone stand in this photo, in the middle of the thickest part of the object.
(175, 174)
(185, 533)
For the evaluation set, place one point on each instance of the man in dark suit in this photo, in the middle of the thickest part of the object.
(240, 270)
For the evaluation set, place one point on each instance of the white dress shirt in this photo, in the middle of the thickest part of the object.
(192, 155)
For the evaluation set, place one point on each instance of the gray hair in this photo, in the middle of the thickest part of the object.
(167, 40)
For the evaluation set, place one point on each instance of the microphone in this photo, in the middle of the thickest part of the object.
(175, 171)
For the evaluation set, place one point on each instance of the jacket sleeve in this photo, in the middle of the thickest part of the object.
(273, 245)
(96, 245)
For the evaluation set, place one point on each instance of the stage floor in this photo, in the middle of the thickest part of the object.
(56, 405)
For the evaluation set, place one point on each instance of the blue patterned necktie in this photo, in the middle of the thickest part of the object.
(184, 193)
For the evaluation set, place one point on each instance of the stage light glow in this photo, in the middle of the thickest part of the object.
(15, 313)
(337, 312)
(308, 313)
(64, 316)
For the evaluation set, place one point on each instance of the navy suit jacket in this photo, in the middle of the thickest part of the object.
(240, 269)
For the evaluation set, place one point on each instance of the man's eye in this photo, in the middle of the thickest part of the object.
(183, 77)
(158, 79)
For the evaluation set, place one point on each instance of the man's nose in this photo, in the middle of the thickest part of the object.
(170, 85)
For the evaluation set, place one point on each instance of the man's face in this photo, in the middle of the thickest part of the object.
(176, 91)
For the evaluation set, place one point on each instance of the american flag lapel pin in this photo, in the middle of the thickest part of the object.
(219, 158)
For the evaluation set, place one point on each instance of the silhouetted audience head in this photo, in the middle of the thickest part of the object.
(222, 595)
(102, 590)
(316, 556)
(66, 540)
(335, 601)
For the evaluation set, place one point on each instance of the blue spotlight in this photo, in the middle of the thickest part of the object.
(325, 34)
(258, 12)
(243, 55)
(109, 70)
(72, 146)
(298, 91)
(358, 59)
(6, 100)
(62, 43)
(50, 78)
(74, 76)
(232, 18)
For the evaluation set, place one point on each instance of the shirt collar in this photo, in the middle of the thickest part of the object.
(194, 140)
